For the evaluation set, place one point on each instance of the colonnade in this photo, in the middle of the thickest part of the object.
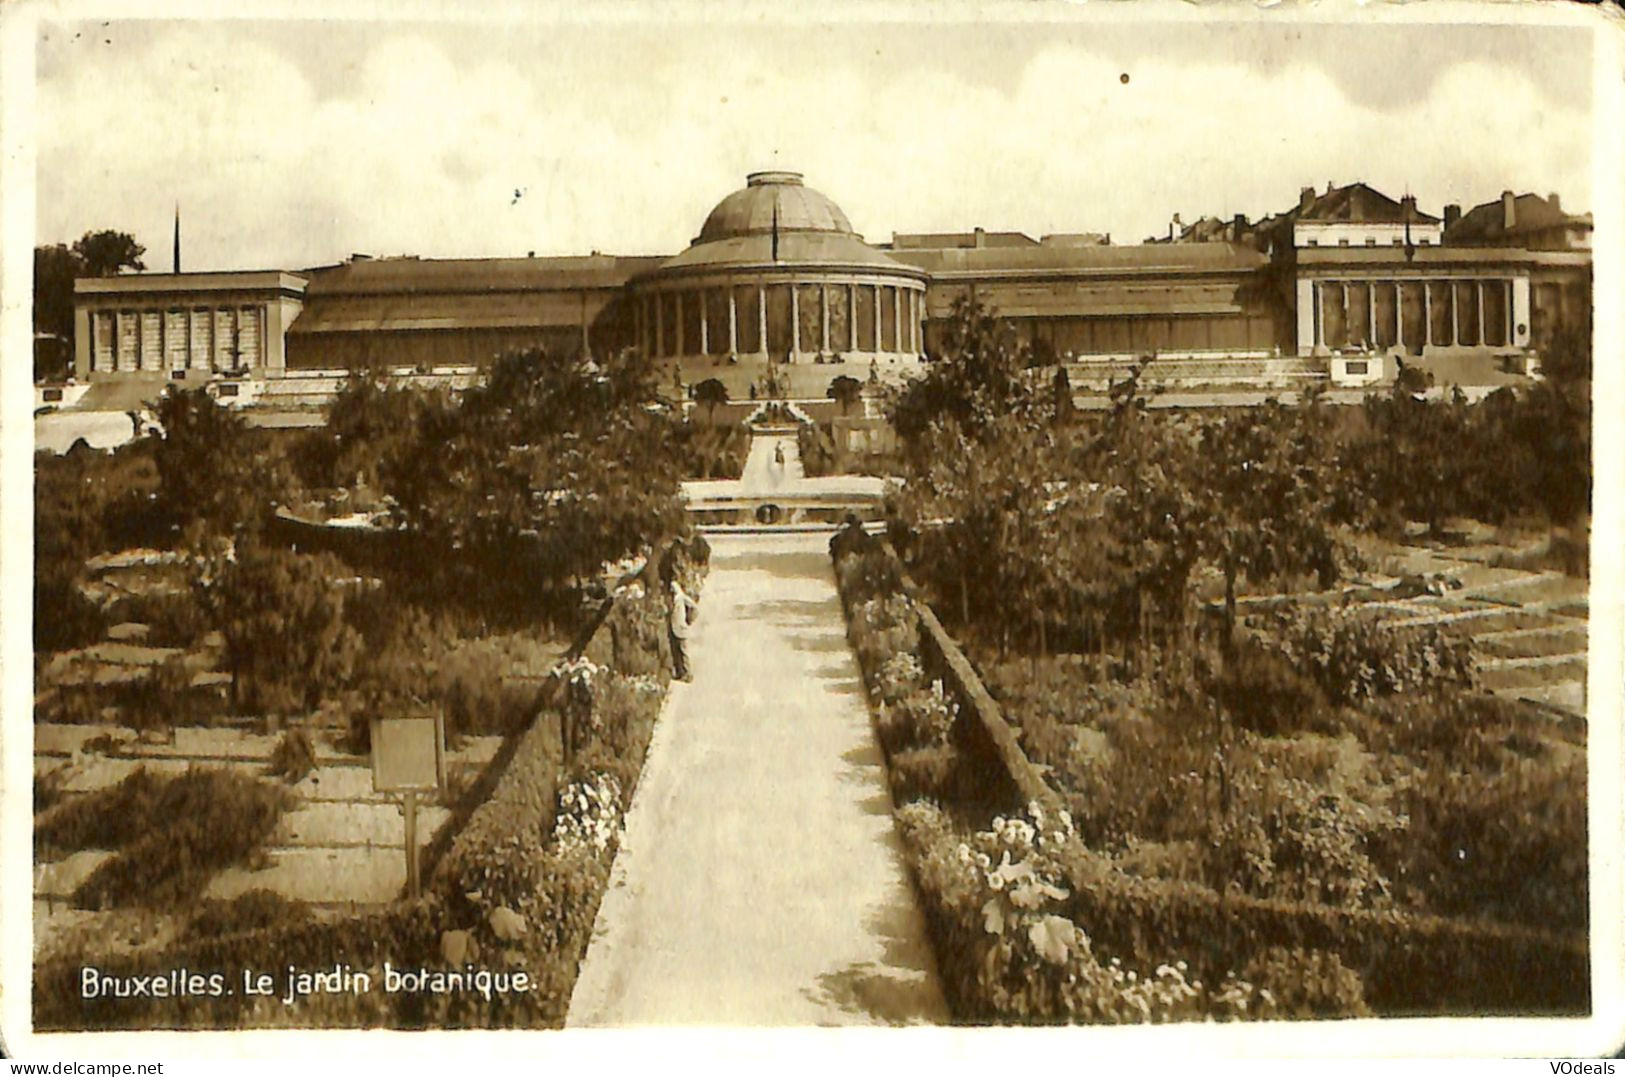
(778, 318)
(189, 338)
(1413, 313)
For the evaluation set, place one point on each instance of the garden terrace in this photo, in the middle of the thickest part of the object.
(517, 873)
(1395, 854)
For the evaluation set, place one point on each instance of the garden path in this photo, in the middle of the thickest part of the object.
(762, 474)
(760, 880)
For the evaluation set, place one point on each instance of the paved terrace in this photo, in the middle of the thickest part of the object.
(763, 477)
(760, 880)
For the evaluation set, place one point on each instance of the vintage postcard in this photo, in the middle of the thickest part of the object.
(960, 517)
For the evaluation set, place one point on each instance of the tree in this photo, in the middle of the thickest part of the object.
(56, 267)
(541, 475)
(281, 615)
(211, 474)
(979, 376)
(369, 424)
(1264, 476)
(106, 253)
(1413, 461)
(711, 393)
(1061, 393)
(846, 390)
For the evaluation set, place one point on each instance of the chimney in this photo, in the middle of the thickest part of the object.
(981, 238)
(1452, 214)
(1555, 202)
(1509, 211)
(1306, 198)
(1238, 225)
(1329, 186)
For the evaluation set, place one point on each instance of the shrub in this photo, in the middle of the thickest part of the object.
(105, 819)
(402, 934)
(175, 619)
(1261, 691)
(1307, 983)
(64, 618)
(898, 677)
(1507, 845)
(1410, 964)
(1009, 948)
(923, 772)
(180, 833)
(1288, 838)
(926, 716)
(1354, 657)
(163, 698)
(252, 910)
(294, 757)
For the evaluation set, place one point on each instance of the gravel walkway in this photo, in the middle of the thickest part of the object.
(760, 881)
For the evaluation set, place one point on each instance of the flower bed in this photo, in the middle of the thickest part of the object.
(1033, 925)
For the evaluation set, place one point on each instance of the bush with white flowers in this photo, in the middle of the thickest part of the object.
(589, 815)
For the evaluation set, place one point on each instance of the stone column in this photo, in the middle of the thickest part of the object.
(1427, 312)
(1519, 336)
(1457, 289)
(761, 317)
(795, 321)
(273, 336)
(660, 324)
(83, 346)
(823, 308)
(1399, 313)
(897, 319)
(878, 319)
(678, 344)
(1320, 314)
(852, 318)
(1480, 286)
(1371, 314)
(733, 320)
(705, 324)
(1306, 316)
(1348, 331)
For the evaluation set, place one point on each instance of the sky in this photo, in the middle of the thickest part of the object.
(295, 143)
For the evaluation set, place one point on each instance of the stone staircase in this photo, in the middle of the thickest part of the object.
(1192, 371)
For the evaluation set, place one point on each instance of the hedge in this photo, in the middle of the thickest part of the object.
(1412, 965)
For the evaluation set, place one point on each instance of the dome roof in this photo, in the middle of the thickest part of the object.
(752, 209)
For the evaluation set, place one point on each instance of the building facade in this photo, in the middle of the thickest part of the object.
(777, 275)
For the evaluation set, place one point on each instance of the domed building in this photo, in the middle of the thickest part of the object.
(778, 274)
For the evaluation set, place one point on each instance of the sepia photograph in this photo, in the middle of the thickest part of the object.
(720, 517)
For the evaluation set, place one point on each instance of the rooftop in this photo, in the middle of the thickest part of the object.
(1487, 223)
(1100, 259)
(769, 202)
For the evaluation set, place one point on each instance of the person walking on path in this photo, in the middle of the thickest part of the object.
(683, 609)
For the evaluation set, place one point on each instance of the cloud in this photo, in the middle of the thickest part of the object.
(475, 144)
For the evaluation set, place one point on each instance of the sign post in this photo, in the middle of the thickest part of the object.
(409, 757)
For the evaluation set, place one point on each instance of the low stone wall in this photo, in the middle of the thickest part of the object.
(989, 744)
